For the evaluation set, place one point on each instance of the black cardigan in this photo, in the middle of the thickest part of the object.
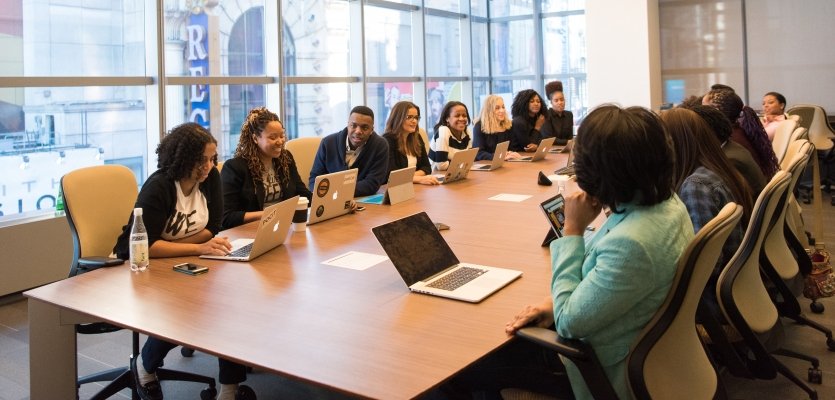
(558, 126)
(398, 160)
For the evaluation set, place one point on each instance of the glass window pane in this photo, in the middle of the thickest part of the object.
(478, 8)
(316, 38)
(316, 109)
(388, 42)
(383, 96)
(512, 47)
(563, 5)
(47, 132)
(508, 88)
(105, 38)
(507, 8)
(443, 46)
(481, 89)
(447, 5)
(564, 44)
(480, 57)
(437, 95)
(217, 40)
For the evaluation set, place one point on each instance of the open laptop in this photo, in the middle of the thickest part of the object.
(399, 188)
(541, 150)
(568, 169)
(459, 166)
(332, 195)
(498, 159)
(432, 268)
(563, 149)
(272, 230)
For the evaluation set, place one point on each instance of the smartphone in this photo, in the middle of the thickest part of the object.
(554, 209)
(191, 269)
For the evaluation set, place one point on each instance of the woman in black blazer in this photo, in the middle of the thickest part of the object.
(262, 172)
(559, 123)
(406, 148)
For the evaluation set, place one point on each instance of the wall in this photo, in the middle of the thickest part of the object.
(34, 254)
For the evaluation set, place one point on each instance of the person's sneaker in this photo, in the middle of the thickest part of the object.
(245, 393)
(149, 391)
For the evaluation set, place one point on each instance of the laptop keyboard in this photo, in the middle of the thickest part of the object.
(457, 278)
(242, 252)
(568, 170)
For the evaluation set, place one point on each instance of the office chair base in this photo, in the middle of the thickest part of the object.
(783, 370)
(816, 307)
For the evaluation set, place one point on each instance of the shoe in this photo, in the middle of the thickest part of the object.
(149, 391)
(245, 392)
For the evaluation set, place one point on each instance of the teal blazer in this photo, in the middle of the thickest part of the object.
(605, 291)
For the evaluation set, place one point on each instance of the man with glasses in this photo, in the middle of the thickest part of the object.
(356, 146)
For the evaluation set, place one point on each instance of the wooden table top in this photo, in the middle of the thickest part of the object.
(357, 332)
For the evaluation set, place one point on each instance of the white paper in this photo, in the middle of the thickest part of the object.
(356, 260)
(516, 198)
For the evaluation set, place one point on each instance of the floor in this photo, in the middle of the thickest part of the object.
(99, 352)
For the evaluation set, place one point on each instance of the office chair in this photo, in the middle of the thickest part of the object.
(821, 134)
(745, 302)
(782, 138)
(667, 359)
(98, 202)
(304, 152)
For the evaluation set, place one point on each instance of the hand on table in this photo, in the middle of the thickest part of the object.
(541, 315)
(426, 180)
(218, 245)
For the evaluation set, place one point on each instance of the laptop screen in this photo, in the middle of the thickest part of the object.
(415, 263)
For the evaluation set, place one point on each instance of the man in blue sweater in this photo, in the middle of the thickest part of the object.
(356, 146)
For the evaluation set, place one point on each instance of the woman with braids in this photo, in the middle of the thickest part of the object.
(748, 131)
(406, 148)
(182, 208)
(528, 112)
(262, 172)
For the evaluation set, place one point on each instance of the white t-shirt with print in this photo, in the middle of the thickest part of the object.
(191, 215)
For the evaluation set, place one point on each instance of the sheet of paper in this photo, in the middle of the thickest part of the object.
(355, 260)
(516, 198)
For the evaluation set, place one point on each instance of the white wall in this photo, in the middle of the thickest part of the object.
(623, 62)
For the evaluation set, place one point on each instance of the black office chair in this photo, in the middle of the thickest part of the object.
(98, 202)
(667, 359)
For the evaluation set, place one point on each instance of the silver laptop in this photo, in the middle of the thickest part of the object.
(437, 272)
(332, 195)
(459, 166)
(541, 150)
(272, 230)
(563, 149)
(568, 169)
(400, 187)
(498, 159)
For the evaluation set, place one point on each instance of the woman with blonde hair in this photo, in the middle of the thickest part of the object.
(406, 148)
(492, 128)
(262, 172)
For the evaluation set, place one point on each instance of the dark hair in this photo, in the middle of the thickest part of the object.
(719, 86)
(780, 98)
(624, 155)
(406, 143)
(520, 104)
(691, 101)
(552, 87)
(447, 111)
(181, 150)
(695, 146)
(254, 125)
(362, 110)
(718, 122)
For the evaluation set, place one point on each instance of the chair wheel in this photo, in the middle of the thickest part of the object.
(815, 375)
(186, 352)
(830, 343)
(208, 394)
(246, 393)
(816, 307)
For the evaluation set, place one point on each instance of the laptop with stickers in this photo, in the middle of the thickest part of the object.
(332, 195)
(272, 230)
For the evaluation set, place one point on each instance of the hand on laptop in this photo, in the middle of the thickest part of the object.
(218, 245)
(541, 315)
(531, 147)
(511, 155)
(580, 211)
(426, 180)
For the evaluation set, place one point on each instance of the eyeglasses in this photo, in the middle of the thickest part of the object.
(413, 117)
(363, 128)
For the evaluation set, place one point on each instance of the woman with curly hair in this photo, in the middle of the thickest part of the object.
(406, 148)
(261, 173)
(747, 129)
(559, 122)
(528, 112)
(182, 208)
(492, 128)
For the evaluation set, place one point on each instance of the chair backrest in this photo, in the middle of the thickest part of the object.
(814, 119)
(425, 139)
(98, 202)
(304, 152)
(668, 360)
(800, 133)
(740, 291)
(782, 138)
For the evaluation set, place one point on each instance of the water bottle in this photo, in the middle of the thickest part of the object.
(138, 243)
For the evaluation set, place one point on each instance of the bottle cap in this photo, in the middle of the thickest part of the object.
(137, 212)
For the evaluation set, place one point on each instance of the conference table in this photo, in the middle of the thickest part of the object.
(358, 332)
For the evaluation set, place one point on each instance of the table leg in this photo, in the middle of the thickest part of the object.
(53, 368)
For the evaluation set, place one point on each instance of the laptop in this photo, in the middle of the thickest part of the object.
(398, 189)
(498, 159)
(332, 195)
(563, 149)
(272, 230)
(541, 150)
(432, 268)
(568, 169)
(459, 166)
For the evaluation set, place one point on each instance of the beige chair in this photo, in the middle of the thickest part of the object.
(304, 152)
(800, 133)
(667, 360)
(782, 138)
(814, 119)
(425, 139)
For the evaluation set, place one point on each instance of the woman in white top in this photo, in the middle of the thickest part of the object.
(451, 134)
(774, 112)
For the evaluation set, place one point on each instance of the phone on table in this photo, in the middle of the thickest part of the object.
(191, 269)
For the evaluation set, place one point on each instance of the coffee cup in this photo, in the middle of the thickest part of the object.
(300, 217)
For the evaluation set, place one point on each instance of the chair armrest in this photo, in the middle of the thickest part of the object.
(548, 338)
(91, 263)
